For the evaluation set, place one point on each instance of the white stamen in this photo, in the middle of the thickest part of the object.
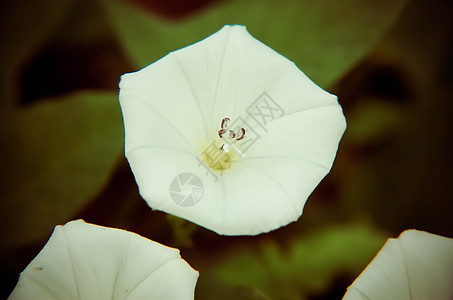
(227, 143)
(225, 148)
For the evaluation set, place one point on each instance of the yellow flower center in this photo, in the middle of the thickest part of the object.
(219, 156)
(219, 160)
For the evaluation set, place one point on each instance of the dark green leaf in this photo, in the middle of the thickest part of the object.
(182, 231)
(24, 27)
(209, 287)
(54, 158)
(324, 38)
(308, 266)
(372, 120)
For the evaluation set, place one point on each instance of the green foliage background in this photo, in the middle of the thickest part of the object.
(61, 154)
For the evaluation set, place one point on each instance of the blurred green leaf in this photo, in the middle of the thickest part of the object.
(24, 27)
(85, 24)
(324, 38)
(308, 266)
(371, 120)
(210, 287)
(54, 158)
(409, 171)
(182, 231)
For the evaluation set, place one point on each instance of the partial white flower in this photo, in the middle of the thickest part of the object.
(416, 265)
(228, 134)
(85, 261)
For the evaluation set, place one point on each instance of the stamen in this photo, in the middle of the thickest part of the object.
(224, 123)
(242, 134)
(224, 148)
(228, 144)
(221, 132)
(231, 137)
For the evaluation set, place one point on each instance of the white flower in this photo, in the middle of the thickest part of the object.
(85, 261)
(185, 117)
(416, 265)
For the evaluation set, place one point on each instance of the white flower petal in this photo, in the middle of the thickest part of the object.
(417, 265)
(173, 110)
(85, 261)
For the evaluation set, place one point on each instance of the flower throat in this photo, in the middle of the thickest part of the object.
(221, 158)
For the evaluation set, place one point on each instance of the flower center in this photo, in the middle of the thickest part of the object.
(230, 137)
(220, 158)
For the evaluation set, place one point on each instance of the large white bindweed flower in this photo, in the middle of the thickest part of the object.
(416, 265)
(85, 261)
(228, 134)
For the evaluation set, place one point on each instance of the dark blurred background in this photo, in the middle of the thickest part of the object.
(61, 155)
